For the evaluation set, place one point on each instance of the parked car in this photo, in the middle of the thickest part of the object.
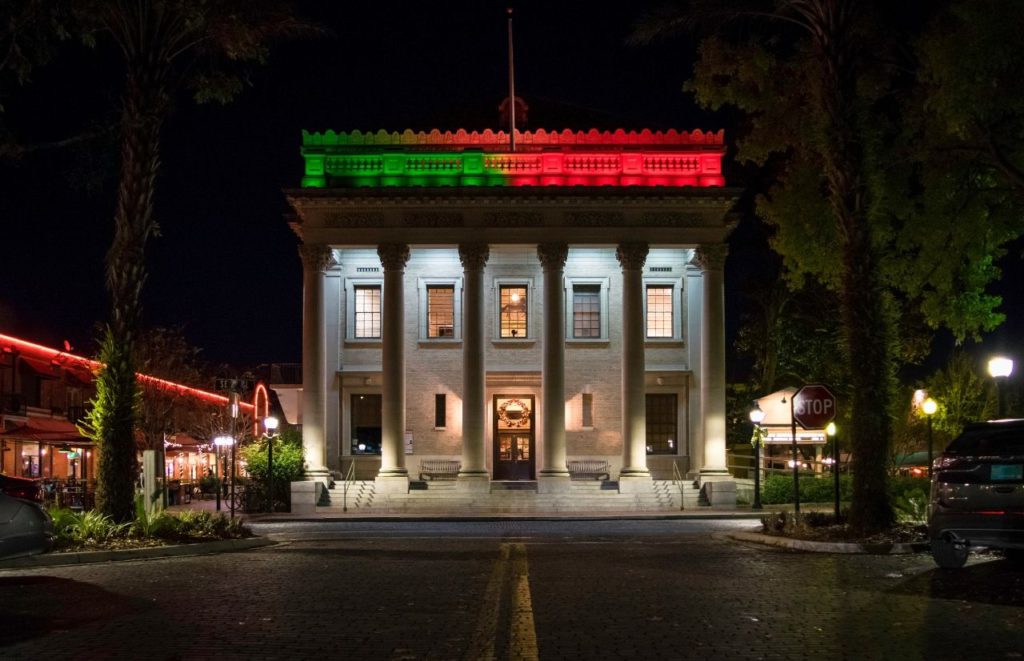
(977, 494)
(25, 528)
(21, 487)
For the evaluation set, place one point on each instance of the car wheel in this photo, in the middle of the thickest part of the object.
(947, 554)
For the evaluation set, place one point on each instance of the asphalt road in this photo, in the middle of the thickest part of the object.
(514, 589)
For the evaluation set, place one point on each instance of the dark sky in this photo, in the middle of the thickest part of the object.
(226, 266)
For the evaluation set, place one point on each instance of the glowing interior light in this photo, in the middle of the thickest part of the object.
(515, 297)
(1000, 367)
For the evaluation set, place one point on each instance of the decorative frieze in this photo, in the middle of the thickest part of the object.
(433, 220)
(394, 256)
(513, 219)
(632, 256)
(552, 255)
(595, 219)
(316, 257)
(711, 256)
(353, 220)
(474, 255)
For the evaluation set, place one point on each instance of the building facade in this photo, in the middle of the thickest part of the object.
(513, 311)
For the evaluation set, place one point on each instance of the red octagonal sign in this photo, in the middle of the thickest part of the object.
(814, 406)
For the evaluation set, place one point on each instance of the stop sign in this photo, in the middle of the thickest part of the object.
(814, 406)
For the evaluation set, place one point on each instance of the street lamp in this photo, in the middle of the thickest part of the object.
(218, 443)
(830, 431)
(1000, 367)
(757, 417)
(270, 424)
(929, 407)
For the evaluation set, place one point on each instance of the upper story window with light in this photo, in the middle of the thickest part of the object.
(440, 311)
(586, 311)
(660, 311)
(367, 313)
(514, 310)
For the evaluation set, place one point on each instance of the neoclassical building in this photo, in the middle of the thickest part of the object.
(513, 310)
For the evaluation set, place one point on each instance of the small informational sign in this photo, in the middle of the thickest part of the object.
(233, 385)
(408, 441)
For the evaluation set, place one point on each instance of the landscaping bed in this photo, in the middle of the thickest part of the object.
(822, 527)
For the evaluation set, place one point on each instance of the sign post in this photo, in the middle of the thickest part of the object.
(813, 407)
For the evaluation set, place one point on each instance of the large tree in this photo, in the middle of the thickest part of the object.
(166, 45)
(822, 84)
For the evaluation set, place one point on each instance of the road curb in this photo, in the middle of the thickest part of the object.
(448, 518)
(828, 547)
(170, 551)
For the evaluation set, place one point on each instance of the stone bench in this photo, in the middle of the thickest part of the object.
(588, 469)
(440, 469)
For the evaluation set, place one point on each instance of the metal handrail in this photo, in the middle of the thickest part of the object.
(677, 479)
(350, 476)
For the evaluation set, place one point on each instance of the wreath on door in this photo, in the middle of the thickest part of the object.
(518, 417)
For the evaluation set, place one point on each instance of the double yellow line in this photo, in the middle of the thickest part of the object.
(511, 571)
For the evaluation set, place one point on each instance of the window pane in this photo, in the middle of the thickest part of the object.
(513, 311)
(586, 311)
(441, 311)
(659, 311)
(661, 424)
(440, 411)
(367, 312)
(366, 424)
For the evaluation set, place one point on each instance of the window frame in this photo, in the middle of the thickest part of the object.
(527, 283)
(672, 451)
(351, 284)
(423, 323)
(570, 296)
(677, 309)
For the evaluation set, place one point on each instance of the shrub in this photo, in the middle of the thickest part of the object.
(288, 465)
(778, 489)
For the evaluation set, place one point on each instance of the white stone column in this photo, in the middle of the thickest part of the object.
(553, 476)
(393, 477)
(634, 475)
(316, 258)
(473, 474)
(711, 260)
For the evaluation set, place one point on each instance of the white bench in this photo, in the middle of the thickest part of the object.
(588, 469)
(440, 469)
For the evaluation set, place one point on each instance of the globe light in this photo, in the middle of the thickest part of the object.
(270, 422)
(831, 429)
(929, 406)
(756, 414)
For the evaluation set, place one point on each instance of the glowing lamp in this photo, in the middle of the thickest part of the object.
(270, 423)
(756, 414)
(831, 429)
(1000, 367)
(929, 406)
(223, 441)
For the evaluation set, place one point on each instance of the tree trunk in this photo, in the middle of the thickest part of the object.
(134, 224)
(866, 324)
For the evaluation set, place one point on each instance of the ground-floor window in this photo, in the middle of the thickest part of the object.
(366, 424)
(662, 420)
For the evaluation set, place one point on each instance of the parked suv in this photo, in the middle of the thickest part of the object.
(21, 487)
(977, 495)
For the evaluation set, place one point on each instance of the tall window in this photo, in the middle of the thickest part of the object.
(662, 433)
(366, 424)
(659, 311)
(367, 311)
(586, 311)
(441, 311)
(513, 311)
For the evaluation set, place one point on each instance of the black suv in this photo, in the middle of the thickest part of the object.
(977, 494)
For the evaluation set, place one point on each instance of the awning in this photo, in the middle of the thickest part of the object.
(47, 429)
(42, 368)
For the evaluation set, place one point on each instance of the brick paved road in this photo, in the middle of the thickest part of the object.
(559, 590)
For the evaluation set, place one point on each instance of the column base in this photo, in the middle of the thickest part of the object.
(473, 482)
(554, 482)
(720, 494)
(714, 475)
(306, 495)
(635, 481)
(392, 483)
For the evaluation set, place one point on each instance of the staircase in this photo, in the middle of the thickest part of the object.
(519, 497)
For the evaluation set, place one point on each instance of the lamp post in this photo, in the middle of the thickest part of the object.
(830, 431)
(1000, 368)
(219, 442)
(233, 410)
(270, 424)
(929, 407)
(757, 417)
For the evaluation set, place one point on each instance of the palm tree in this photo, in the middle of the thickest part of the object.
(165, 45)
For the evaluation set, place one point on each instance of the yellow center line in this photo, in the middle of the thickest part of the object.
(510, 569)
(523, 638)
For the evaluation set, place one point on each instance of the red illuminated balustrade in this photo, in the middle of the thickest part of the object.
(541, 158)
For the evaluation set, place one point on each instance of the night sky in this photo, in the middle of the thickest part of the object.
(226, 267)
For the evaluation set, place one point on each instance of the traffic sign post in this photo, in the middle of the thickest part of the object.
(812, 406)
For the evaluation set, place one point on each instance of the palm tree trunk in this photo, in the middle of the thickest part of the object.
(134, 224)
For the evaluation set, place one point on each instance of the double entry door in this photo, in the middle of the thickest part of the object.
(514, 432)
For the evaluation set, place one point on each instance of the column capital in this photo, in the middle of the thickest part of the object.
(711, 256)
(474, 255)
(316, 257)
(394, 256)
(552, 255)
(632, 256)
